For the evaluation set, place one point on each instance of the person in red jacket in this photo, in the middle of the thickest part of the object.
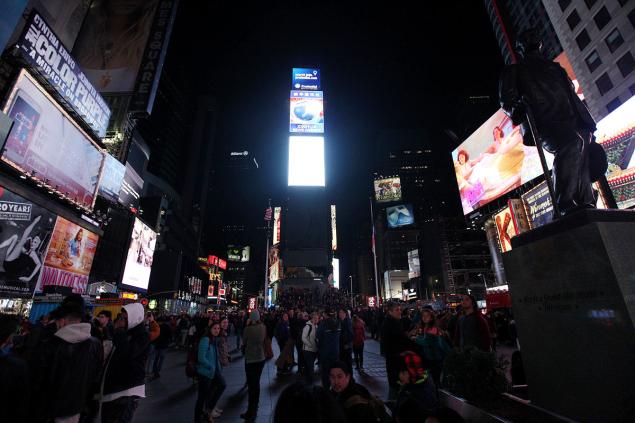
(359, 335)
(472, 329)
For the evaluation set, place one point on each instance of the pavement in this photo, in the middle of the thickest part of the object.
(171, 397)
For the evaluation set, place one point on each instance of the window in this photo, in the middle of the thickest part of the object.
(602, 17)
(614, 40)
(626, 64)
(573, 20)
(564, 4)
(613, 104)
(593, 61)
(632, 89)
(583, 39)
(631, 17)
(604, 83)
(589, 3)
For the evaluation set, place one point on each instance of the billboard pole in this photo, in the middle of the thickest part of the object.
(372, 222)
(266, 286)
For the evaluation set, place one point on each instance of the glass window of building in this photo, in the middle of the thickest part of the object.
(593, 61)
(604, 83)
(583, 39)
(626, 64)
(602, 17)
(573, 20)
(564, 4)
(589, 3)
(614, 40)
(613, 104)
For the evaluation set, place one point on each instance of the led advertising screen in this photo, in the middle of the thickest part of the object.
(400, 215)
(306, 112)
(505, 229)
(25, 231)
(275, 264)
(333, 228)
(69, 257)
(45, 143)
(277, 212)
(238, 254)
(111, 178)
(140, 253)
(305, 79)
(387, 189)
(494, 161)
(306, 161)
(414, 266)
(616, 134)
(336, 272)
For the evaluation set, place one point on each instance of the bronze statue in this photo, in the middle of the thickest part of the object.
(537, 92)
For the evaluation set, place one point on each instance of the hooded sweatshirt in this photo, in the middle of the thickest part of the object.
(126, 372)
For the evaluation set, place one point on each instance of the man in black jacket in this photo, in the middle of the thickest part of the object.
(395, 341)
(124, 384)
(67, 369)
(562, 120)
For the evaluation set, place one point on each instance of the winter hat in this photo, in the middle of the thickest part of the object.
(411, 362)
(254, 316)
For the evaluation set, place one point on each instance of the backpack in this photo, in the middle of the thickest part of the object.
(377, 407)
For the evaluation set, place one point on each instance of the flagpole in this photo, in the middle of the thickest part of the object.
(266, 287)
(372, 222)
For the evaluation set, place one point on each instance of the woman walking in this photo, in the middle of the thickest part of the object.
(359, 335)
(253, 341)
(211, 383)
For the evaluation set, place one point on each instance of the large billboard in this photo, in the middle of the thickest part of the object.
(48, 145)
(132, 185)
(25, 231)
(69, 257)
(306, 112)
(387, 189)
(140, 254)
(414, 265)
(277, 223)
(305, 79)
(112, 43)
(400, 215)
(333, 228)
(494, 161)
(238, 254)
(111, 178)
(505, 229)
(43, 50)
(616, 134)
(306, 161)
(275, 264)
(538, 206)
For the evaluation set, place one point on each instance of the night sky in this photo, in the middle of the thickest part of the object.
(390, 67)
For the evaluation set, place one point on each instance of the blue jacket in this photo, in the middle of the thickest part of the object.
(328, 339)
(208, 361)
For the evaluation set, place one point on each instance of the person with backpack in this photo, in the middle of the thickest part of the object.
(309, 347)
(415, 383)
(328, 341)
(358, 404)
(434, 343)
(211, 383)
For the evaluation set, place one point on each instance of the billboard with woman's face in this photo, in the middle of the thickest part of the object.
(494, 161)
(140, 255)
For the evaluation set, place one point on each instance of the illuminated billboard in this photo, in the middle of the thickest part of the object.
(387, 189)
(140, 254)
(277, 211)
(616, 134)
(306, 112)
(336, 272)
(238, 254)
(414, 265)
(333, 228)
(275, 265)
(494, 161)
(48, 145)
(538, 206)
(305, 79)
(69, 257)
(400, 215)
(505, 229)
(306, 161)
(112, 177)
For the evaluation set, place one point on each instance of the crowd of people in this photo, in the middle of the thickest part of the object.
(72, 368)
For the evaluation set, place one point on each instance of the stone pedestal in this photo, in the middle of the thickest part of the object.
(572, 284)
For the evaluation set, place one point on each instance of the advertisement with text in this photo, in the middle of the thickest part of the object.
(387, 190)
(140, 254)
(306, 112)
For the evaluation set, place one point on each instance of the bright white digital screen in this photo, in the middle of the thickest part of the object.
(306, 161)
(336, 273)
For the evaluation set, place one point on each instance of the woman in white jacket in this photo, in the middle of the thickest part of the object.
(309, 346)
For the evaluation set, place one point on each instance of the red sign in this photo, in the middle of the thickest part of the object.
(144, 302)
(210, 291)
(371, 301)
(222, 264)
(212, 260)
(221, 292)
(500, 299)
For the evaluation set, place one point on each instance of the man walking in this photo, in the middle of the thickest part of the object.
(328, 337)
(309, 347)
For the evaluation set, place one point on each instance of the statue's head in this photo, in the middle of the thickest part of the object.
(529, 41)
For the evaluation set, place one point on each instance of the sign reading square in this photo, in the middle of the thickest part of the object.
(305, 79)
(306, 112)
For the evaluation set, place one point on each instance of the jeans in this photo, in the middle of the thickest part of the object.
(120, 410)
(309, 365)
(150, 361)
(158, 360)
(209, 392)
(358, 351)
(298, 347)
(253, 371)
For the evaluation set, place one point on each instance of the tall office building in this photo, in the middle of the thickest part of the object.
(510, 17)
(599, 39)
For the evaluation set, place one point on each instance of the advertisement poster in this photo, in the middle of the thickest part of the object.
(333, 228)
(519, 216)
(400, 215)
(494, 161)
(140, 253)
(42, 49)
(387, 190)
(111, 178)
(69, 257)
(25, 231)
(538, 205)
(277, 213)
(46, 144)
(274, 264)
(414, 266)
(306, 112)
(305, 79)
(306, 161)
(238, 254)
(114, 69)
(505, 229)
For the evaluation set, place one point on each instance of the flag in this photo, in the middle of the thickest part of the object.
(268, 214)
